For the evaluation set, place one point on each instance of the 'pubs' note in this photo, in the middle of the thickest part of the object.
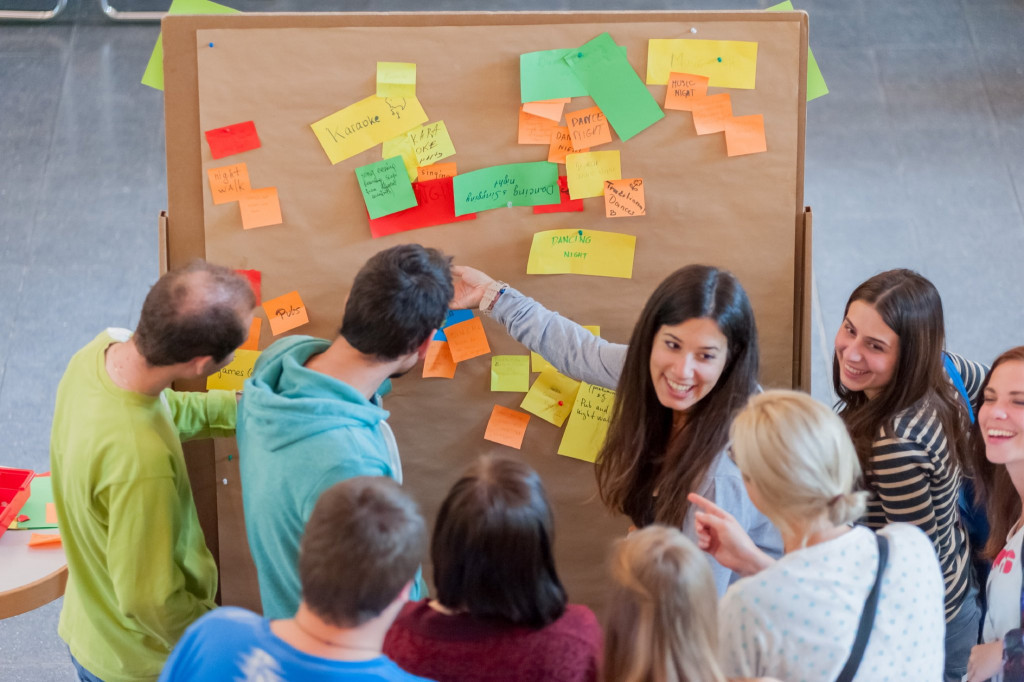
(285, 312)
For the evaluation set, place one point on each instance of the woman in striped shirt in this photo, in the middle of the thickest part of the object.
(911, 429)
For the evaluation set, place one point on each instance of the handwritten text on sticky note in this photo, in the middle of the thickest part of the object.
(510, 373)
(285, 312)
(551, 397)
(365, 124)
(260, 208)
(227, 183)
(588, 128)
(431, 143)
(587, 172)
(436, 171)
(385, 186)
(588, 423)
(624, 198)
(232, 376)
(513, 184)
(682, 89)
(467, 339)
(582, 252)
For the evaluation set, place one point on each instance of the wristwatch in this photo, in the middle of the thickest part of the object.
(491, 294)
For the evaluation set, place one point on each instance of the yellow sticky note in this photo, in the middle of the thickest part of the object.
(539, 364)
(624, 198)
(431, 143)
(233, 376)
(551, 397)
(510, 373)
(726, 63)
(582, 252)
(285, 312)
(506, 427)
(396, 79)
(365, 124)
(587, 171)
(588, 423)
(401, 146)
(260, 208)
(228, 183)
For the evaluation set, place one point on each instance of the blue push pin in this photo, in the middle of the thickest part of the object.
(211, 45)
(581, 233)
(719, 59)
(580, 55)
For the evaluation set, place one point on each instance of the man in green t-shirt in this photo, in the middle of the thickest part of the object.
(139, 571)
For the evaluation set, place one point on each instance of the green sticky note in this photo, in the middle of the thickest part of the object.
(35, 506)
(396, 79)
(510, 373)
(401, 146)
(431, 143)
(545, 75)
(614, 86)
(154, 75)
(386, 187)
(512, 184)
(815, 81)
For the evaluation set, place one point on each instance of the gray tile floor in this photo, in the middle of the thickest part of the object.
(915, 159)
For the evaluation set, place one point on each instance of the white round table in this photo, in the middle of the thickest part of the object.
(31, 577)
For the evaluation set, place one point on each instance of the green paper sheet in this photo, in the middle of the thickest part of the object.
(154, 75)
(35, 505)
(512, 184)
(545, 75)
(614, 86)
(815, 81)
(510, 373)
(386, 187)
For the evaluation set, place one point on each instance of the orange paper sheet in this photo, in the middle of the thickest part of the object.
(260, 208)
(44, 540)
(228, 183)
(561, 144)
(588, 128)
(285, 312)
(438, 361)
(711, 113)
(547, 108)
(467, 339)
(683, 88)
(435, 171)
(51, 512)
(624, 198)
(507, 427)
(745, 135)
(252, 342)
(535, 129)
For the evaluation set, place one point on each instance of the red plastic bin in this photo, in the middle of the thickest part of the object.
(15, 487)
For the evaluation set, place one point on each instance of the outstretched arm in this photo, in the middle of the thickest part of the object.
(720, 535)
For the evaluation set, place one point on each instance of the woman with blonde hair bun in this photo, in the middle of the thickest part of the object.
(842, 603)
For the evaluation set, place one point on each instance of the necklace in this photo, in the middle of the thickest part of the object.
(329, 643)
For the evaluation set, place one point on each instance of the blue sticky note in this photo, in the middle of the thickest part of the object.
(454, 317)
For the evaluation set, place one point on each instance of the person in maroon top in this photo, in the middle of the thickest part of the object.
(501, 612)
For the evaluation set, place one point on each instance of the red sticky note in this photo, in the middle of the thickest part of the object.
(467, 339)
(232, 139)
(588, 127)
(255, 278)
(745, 135)
(438, 361)
(535, 129)
(44, 540)
(252, 342)
(711, 113)
(566, 205)
(260, 208)
(683, 88)
(286, 312)
(435, 205)
(507, 427)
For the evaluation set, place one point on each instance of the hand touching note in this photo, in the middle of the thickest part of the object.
(721, 536)
(470, 284)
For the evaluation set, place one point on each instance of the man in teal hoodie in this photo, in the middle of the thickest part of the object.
(311, 415)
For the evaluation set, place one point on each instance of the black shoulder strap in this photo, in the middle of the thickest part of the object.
(867, 617)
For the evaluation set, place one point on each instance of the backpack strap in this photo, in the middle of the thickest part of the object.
(867, 617)
(958, 382)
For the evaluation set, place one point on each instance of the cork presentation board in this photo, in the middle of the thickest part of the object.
(283, 72)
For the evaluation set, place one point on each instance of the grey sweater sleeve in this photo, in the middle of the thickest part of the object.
(573, 350)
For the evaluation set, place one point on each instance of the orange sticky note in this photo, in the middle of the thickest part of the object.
(711, 113)
(435, 171)
(506, 426)
(51, 512)
(228, 183)
(745, 135)
(624, 198)
(467, 339)
(683, 88)
(260, 207)
(535, 129)
(438, 361)
(44, 540)
(547, 108)
(561, 144)
(285, 312)
(252, 342)
(588, 127)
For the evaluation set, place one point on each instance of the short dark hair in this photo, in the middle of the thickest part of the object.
(363, 543)
(492, 546)
(193, 311)
(398, 298)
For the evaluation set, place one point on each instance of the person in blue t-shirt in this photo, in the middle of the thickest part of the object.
(357, 561)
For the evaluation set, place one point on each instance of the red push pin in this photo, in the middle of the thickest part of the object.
(22, 519)
(560, 403)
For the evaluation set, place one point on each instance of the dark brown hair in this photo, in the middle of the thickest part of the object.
(641, 454)
(492, 546)
(362, 544)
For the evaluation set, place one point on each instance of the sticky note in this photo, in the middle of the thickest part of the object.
(513, 184)
(745, 135)
(401, 146)
(539, 364)
(561, 144)
(566, 205)
(506, 427)
(510, 373)
(727, 63)
(255, 278)
(436, 170)
(438, 362)
(548, 108)
(51, 512)
(260, 208)
(467, 339)
(431, 143)
(252, 341)
(435, 205)
(453, 317)
(385, 186)
(286, 312)
(711, 113)
(44, 540)
(535, 129)
(588, 128)
(396, 79)
(227, 183)
(544, 75)
(815, 80)
(614, 86)
(233, 376)
(624, 198)
(588, 423)
(683, 88)
(551, 397)
(587, 172)
(366, 124)
(582, 252)
(154, 74)
(232, 139)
